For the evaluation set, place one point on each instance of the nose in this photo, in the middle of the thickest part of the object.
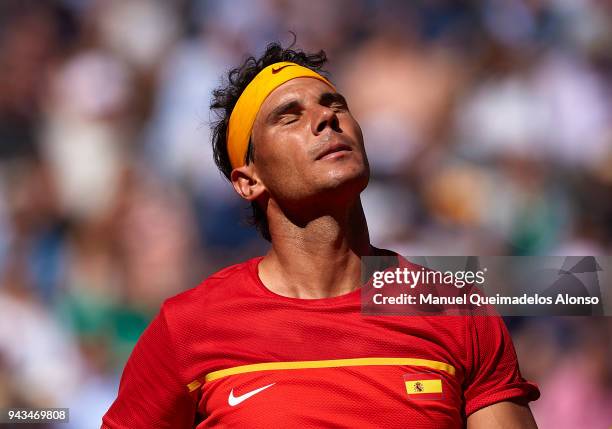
(325, 117)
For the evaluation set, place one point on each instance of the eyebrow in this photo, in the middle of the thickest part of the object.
(328, 98)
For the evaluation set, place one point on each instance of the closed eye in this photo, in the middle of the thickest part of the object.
(289, 118)
(338, 107)
(285, 112)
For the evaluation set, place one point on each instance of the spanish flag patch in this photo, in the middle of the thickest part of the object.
(424, 386)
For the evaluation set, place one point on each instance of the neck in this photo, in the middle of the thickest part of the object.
(317, 257)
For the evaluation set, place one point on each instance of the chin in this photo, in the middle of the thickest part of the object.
(355, 180)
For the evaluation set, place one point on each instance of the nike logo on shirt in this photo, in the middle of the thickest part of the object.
(235, 400)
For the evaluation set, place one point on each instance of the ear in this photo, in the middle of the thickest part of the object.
(247, 183)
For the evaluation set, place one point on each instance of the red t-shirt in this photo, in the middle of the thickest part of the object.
(231, 353)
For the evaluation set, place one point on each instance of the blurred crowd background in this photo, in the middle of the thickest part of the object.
(488, 126)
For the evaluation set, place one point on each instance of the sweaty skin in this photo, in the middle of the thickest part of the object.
(313, 207)
(503, 415)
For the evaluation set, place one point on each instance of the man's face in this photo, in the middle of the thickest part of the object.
(308, 145)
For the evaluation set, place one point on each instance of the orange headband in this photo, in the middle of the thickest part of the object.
(244, 113)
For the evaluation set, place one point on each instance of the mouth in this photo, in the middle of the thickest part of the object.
(333, 151)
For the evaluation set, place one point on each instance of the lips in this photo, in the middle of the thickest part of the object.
(332, 148)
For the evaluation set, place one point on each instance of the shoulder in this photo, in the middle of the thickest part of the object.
(220, 285)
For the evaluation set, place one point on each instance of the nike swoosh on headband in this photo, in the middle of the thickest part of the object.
(277, 69)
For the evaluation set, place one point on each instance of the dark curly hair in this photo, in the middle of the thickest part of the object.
(225, 98)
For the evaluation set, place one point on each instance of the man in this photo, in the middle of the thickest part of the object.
(279, 341)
